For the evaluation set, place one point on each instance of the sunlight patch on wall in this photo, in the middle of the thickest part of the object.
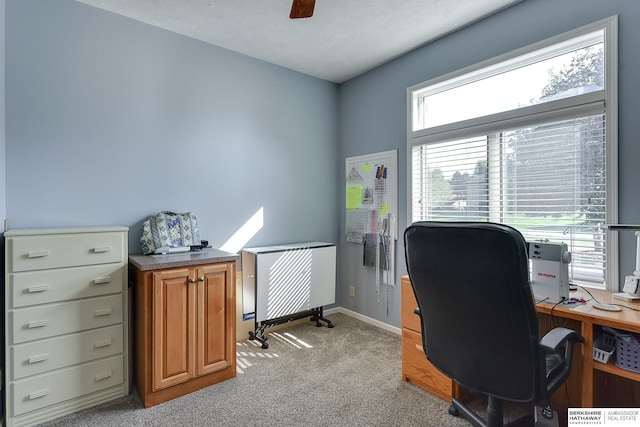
(241, 237)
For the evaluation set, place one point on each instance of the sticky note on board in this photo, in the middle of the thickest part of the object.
(354, 197)
(384, 209)
(367, 167)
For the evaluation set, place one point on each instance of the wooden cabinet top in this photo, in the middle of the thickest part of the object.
(158, 262)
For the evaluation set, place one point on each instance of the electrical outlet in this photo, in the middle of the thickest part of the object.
(352, 291)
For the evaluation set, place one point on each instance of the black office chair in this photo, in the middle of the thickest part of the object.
(479, 323)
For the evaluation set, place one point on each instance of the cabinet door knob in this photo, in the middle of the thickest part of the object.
(192, 280)
(201, 278)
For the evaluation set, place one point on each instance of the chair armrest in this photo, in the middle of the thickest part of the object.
(554, 339)
(551, 344)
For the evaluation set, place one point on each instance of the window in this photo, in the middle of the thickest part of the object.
(528, 139)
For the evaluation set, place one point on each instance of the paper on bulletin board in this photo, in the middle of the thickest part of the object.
(354, 197)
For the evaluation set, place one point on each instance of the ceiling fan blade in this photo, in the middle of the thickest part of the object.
(302, 9)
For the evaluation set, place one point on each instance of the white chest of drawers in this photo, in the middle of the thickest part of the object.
(65, 321)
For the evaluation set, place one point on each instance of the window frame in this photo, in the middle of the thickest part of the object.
(605, 99)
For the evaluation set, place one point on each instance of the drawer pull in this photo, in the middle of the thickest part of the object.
(37, 288)
(101, 249)
(37, 324)
(419, 348)
(103, 312)
(101, 280)
(38, 394)
(38, 254)
(103, 343)
(38, 358)
(104, 375)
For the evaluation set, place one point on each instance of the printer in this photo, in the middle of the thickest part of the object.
(549, 271)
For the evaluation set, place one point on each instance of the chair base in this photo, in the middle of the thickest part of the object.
(494, 415)
(545, 417)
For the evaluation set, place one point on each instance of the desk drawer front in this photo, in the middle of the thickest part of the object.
(410, 320)
(41, 287)
(55, 353)
(419, 370)
(57, 319)
(64, 250)
(44, 390)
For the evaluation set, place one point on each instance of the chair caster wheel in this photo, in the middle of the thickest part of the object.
(453, 410)
(265, 345)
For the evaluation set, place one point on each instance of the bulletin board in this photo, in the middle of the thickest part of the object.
(371, 195)
(371, 210)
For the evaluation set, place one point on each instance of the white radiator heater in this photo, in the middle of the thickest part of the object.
(287, 282)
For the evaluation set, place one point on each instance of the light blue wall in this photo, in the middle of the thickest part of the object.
(100, 108)
(110, 120)
(373, 115)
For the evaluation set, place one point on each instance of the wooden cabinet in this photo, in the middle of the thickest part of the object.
(415, 366)
(185, 329)
(66, 318)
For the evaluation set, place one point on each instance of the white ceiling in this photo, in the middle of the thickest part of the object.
(343, 39)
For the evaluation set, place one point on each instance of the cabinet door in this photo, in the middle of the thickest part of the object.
(216, 318)
(174, 327)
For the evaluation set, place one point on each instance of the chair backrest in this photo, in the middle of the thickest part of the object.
(479, 324)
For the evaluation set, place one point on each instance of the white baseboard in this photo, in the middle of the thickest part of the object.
(364, 318)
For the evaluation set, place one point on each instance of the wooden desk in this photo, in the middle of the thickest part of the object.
(591, 384)
(594, 384)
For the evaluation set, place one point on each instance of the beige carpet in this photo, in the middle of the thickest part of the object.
(346, 376)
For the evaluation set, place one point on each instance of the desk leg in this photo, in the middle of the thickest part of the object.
(587, 365)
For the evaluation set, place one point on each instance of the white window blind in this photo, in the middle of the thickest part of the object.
(546, 180)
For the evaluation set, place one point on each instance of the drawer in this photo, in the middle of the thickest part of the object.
(410, 320)
(57, 319)
(418, 370)
(64, 250)
(45, 390)
(55, 353)
(46, 286)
